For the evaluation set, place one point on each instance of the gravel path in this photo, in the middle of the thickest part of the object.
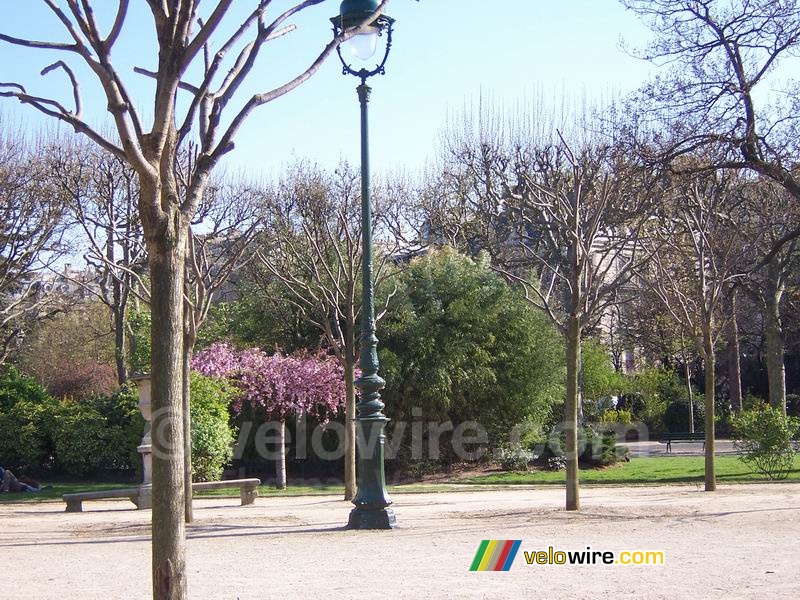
(741, 542)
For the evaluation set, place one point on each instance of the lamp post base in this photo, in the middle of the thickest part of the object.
(363, 518)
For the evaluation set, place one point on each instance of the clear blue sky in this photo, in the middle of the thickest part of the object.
(447, 54)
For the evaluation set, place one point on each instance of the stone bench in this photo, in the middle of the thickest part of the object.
(248, 488)
(142, 496)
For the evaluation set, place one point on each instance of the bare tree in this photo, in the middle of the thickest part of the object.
(102, 193)
(771, 214)
(733, 350)
(31, 241)
(722, 57)
(186, 39)
(696, 259)
(563, 225)
(229, 219)
(314, 253)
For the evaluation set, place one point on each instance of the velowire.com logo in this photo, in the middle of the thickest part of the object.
(499, 555)
(495, 555)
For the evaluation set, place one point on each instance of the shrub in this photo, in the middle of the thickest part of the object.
(753, 402)
(98, 434)
(514, 458)
(82, 439)
(121, 411)
(596, 449)
(212, 436)
(650, 392)
(676, 416)
(765, 440)
(621, 416)
(25, 436)
(600, 448)
(38, 432)
(461, 345)
(26, 418)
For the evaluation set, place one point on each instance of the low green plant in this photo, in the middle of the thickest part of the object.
(514, 458)
(597, 448)
(600, 448)
(765, 439)
(753, 402)
(26, 420)
(82, 439)
(648, 394)
(612, 415)
(212, 436)
(98, 434)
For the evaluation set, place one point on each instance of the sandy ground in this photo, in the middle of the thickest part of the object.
(741, 542)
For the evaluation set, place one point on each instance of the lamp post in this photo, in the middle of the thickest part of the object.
(372, 500)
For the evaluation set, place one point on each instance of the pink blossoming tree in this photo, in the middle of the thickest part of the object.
(283, 386)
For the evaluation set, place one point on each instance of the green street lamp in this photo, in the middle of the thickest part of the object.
(372, 500)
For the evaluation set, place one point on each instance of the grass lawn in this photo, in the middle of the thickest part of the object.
(641, 471)
(56, 490)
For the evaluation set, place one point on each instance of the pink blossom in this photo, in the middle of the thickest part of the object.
(218, 360)
(281, 385)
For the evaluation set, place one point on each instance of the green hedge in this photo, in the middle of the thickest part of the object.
(40, 434)
(212, 436)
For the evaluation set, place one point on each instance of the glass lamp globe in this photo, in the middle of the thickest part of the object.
(364, 46)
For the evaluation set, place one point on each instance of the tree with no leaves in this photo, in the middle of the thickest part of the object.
(189, 41)
(229, 218)
(771, 214)
(722, 56)
(313, 252)
(32, 223)
(562, 224)
(697, 258)
(101, 193)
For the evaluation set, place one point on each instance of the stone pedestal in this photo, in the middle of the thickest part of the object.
(146, 450)
(146, 447)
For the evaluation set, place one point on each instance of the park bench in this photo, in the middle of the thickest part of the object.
(136, 495)
(683, 436)
(141, 496)
(248, 488)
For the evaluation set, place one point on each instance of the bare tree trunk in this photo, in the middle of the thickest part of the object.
(188, 349)
(734, 362)
(167, 259)
(571, 412)
(118, 304)
(349, 428)
(280, 472)
(120, 344)
(773, 332)
(711, 363)
(688, 373)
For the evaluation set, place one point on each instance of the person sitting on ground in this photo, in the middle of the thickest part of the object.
(10, 484)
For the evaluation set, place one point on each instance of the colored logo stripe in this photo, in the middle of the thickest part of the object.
(495, 555)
